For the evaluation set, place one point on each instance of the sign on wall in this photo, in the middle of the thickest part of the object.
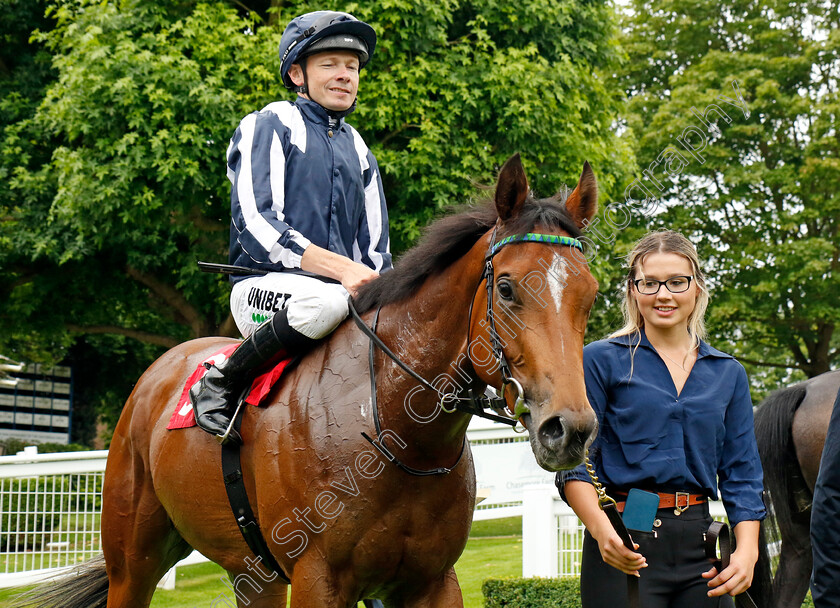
(36, 402)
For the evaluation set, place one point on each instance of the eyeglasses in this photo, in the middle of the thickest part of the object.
(648, 287)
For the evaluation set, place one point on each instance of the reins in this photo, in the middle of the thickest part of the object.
(472, 404)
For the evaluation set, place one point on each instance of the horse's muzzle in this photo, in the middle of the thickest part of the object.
(565, 438)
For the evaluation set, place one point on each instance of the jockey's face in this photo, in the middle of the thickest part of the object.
(332, 79)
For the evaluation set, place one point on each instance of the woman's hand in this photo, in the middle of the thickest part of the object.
(737, 577)
(614, 553)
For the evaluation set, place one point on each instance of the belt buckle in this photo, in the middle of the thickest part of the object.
(677, 508)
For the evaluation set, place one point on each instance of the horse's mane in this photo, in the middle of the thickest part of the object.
(451, 237)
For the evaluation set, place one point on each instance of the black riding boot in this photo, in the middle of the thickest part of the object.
(214, 396)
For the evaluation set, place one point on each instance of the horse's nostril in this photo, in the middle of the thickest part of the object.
(552, 432)
(558, 434)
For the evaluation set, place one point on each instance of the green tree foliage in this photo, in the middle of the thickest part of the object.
(114, 170)
(761, 198)
(459, 86)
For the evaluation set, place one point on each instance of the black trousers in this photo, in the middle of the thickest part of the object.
(675, 557)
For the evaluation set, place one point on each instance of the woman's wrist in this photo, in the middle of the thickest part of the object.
(747, 553)
(601, 530)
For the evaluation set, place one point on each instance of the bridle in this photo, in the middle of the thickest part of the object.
(519, 408)
(473, 404)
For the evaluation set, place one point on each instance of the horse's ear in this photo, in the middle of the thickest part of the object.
(511, 188)
(583, 201)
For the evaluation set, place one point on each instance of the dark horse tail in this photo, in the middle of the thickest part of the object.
(773, 421)
(86, 586)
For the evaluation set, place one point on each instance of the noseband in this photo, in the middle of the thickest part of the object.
(474, 404)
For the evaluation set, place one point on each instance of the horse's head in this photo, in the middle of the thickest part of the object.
(540, 292)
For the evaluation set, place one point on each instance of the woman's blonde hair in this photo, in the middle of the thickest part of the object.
(664, 241)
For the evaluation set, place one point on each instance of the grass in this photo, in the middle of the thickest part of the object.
(509, 526)
(484, 557)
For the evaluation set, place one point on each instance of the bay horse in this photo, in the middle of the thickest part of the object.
(790, 426)
(343, 522)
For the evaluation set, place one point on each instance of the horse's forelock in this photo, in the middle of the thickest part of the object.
(549, 214)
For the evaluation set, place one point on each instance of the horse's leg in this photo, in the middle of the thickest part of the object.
(138, 539)
(442, 593)
(257, 589)
(794, 572)
(314, 585)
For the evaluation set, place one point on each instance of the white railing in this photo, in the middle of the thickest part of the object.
(552, 535)
(49, 512)
(50, 504)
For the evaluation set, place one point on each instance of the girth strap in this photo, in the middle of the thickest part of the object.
(239, 504)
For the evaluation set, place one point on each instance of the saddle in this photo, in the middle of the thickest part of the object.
(183, 417)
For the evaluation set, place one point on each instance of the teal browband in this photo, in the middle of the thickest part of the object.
(537, 238)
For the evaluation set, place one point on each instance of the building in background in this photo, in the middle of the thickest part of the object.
(36, 402)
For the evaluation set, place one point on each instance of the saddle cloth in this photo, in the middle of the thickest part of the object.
(183, 416)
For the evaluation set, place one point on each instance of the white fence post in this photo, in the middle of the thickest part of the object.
(539, 532)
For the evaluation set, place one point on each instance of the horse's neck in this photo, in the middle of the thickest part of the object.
(429, 333)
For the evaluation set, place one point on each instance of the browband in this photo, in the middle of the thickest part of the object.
(536, 238)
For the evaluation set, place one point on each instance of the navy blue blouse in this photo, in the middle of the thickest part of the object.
(651, 438)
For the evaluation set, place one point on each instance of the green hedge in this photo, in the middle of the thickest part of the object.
(543, 593)
(10, 446)
(28, 504)
(531, 592)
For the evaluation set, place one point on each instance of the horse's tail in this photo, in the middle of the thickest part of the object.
(773, 421)
(85, 587)
(761, 590)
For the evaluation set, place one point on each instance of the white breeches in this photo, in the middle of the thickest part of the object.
(314, 308)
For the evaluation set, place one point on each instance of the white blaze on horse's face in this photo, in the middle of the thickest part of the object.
(556, 279)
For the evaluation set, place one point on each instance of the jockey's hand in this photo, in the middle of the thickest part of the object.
(350, 274)
(735, 578)
(355, 276)
(614, 553)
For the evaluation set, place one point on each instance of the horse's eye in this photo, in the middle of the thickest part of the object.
(505, 289)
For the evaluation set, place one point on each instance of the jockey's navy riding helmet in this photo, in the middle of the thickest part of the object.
(324, 31)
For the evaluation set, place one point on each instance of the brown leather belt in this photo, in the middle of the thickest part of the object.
(679, 501)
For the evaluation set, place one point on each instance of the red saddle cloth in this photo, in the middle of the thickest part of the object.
(183, 416)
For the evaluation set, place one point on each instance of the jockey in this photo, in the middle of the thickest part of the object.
(306, 204)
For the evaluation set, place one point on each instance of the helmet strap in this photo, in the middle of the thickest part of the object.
(304, 88)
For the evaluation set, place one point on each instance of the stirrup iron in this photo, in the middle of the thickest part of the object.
(223, 438)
